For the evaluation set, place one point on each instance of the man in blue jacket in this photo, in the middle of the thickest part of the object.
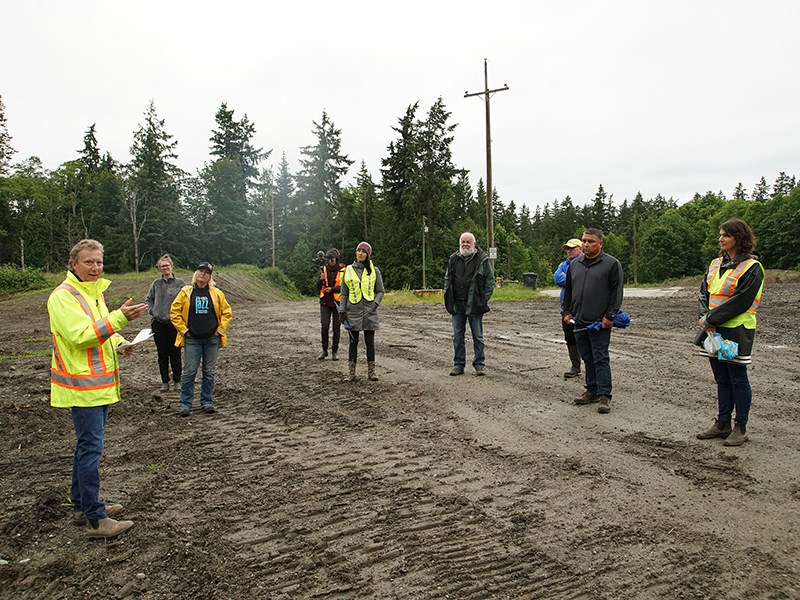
(593, 292)
(574, 247)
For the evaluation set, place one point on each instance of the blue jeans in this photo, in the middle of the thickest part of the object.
(90, 429)
(460, 318)
(196, 349)
(593, 347)
(733, 390)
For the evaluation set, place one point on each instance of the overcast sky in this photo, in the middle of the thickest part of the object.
(670, 97)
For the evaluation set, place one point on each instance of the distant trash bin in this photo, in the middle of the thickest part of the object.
(529, 279)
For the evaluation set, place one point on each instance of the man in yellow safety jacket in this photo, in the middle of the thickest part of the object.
(84, 376)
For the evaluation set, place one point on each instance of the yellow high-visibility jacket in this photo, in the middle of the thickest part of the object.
(85, 366)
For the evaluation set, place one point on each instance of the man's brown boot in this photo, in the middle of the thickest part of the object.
(78, 518)
(107, 528)
(586, 398)
(738, 436)
(717, 430)
(351, 365)
(371, 371)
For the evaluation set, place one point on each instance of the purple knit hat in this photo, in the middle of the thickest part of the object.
(365, 247)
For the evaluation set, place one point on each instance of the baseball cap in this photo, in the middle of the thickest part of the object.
(205, 265)
(573, 243)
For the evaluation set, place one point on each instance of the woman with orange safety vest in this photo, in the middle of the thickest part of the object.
(329, 285)
(730, 294)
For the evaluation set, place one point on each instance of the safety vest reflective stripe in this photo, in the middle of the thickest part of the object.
(102, 328)
(57, 357)
(719, 291)
(83, 382)
(337, 296)
(365, 287)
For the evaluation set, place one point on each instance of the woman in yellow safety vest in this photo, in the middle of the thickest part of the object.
(362, 292)
(730, 294)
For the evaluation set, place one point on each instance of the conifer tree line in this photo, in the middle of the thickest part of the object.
(240, 208)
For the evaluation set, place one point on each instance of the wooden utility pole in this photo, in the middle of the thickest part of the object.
(424, 231)
(487, 93)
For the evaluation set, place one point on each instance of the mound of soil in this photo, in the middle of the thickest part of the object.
(419, 485)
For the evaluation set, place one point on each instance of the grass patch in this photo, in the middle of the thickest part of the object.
(24, 355)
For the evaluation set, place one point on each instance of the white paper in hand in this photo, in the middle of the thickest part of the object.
(142, 336)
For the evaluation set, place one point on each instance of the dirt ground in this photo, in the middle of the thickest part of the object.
(419, 485)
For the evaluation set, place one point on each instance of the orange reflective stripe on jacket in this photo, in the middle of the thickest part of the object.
(99, 376)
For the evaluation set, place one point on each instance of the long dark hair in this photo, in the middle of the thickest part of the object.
(740, 231)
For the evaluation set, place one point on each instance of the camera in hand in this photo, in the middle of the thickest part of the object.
(319, 259)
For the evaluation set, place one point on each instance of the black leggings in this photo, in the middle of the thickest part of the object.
(369, 340)
(169, 355)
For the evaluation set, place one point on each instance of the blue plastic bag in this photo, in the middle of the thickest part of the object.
(724, 349)
(621, 320)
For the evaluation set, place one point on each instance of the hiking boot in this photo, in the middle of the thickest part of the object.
(605, 404)
(184, 412)
(351, 371)
(164, 387)
(209, 409)
(457, 371)
(572, 373)
(78, 518)
(107, 528)
(334, 357)
(737, 437)
(586, 398)
(371, 371)
(480, 371)
(322, 355)
(717, 430)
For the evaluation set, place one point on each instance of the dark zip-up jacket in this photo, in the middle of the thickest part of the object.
(480, 288)
(593, 291)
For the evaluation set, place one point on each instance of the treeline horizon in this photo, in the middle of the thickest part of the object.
(233, 210)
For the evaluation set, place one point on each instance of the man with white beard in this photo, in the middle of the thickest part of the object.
(468, 286)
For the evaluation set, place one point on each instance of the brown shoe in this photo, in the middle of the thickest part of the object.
(480, 371)
(586, 398)
(78, 518)
(717, 430)
(605, 404)
(457, 371)
(107, 528)
(737, 437)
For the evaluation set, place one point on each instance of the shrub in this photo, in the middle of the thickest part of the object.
(13, 279)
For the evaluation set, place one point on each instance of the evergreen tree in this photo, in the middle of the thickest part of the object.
(761, 191)
(232, 140)
(6, 150)
(287, 213)
(783, 184)
(151, 198)
(740, 193)
(322, 167)
(90, 154)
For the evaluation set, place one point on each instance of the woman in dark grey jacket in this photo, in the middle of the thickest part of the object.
(159, 299)
(362, 292)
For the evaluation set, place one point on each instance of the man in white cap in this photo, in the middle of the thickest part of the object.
(574, 250)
